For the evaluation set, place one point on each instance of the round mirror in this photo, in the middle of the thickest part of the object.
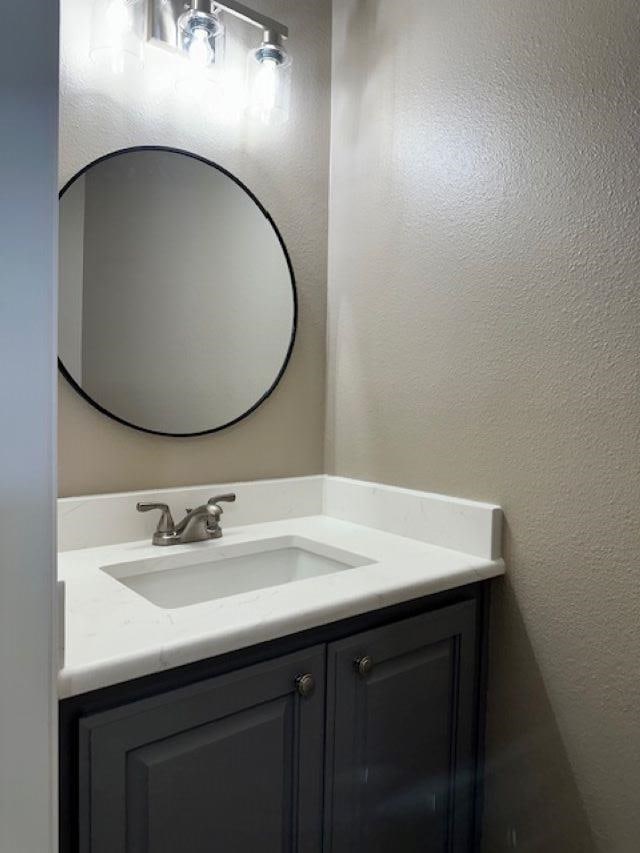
(177, 301)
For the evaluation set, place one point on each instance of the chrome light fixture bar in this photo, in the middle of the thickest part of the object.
(267, 25)
(196, 30)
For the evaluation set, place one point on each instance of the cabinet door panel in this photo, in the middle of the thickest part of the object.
(400, 737)
(233, 764)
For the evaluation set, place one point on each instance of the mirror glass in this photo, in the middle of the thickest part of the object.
(177, 303)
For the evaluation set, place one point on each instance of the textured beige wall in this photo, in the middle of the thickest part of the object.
(287, 168)
(484, 337)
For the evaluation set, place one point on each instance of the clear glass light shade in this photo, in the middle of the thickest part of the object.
(269, 84)
(201, 36)
(118, 29)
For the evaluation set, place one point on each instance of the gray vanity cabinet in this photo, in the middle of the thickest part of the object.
(400, 736)
(233, 763)
(375, 751)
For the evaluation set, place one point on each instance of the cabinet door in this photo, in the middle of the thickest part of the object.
(234, 763)
(400, 736)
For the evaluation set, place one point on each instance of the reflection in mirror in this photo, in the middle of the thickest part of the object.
(177, 304)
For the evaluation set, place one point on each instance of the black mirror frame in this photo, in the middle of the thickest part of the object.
(72, 382)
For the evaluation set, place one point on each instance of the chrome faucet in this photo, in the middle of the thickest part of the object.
(198, 525)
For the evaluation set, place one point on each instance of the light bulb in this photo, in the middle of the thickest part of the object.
(200, 51)
(201, 36)
(117, 33)
(269, 81)
(266, 86)
(118, 18)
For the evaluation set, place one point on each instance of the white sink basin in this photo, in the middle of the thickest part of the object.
(215, 570)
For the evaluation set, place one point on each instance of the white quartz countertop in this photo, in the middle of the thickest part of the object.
(113, 634)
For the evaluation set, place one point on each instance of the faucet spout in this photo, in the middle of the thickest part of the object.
(199, 515)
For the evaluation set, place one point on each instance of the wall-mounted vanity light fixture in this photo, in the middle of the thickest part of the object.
(196, 30)
(201, 34)
(118, 32)
(269, 79)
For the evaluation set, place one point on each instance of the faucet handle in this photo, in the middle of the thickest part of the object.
(165, 525)
(228, 498)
